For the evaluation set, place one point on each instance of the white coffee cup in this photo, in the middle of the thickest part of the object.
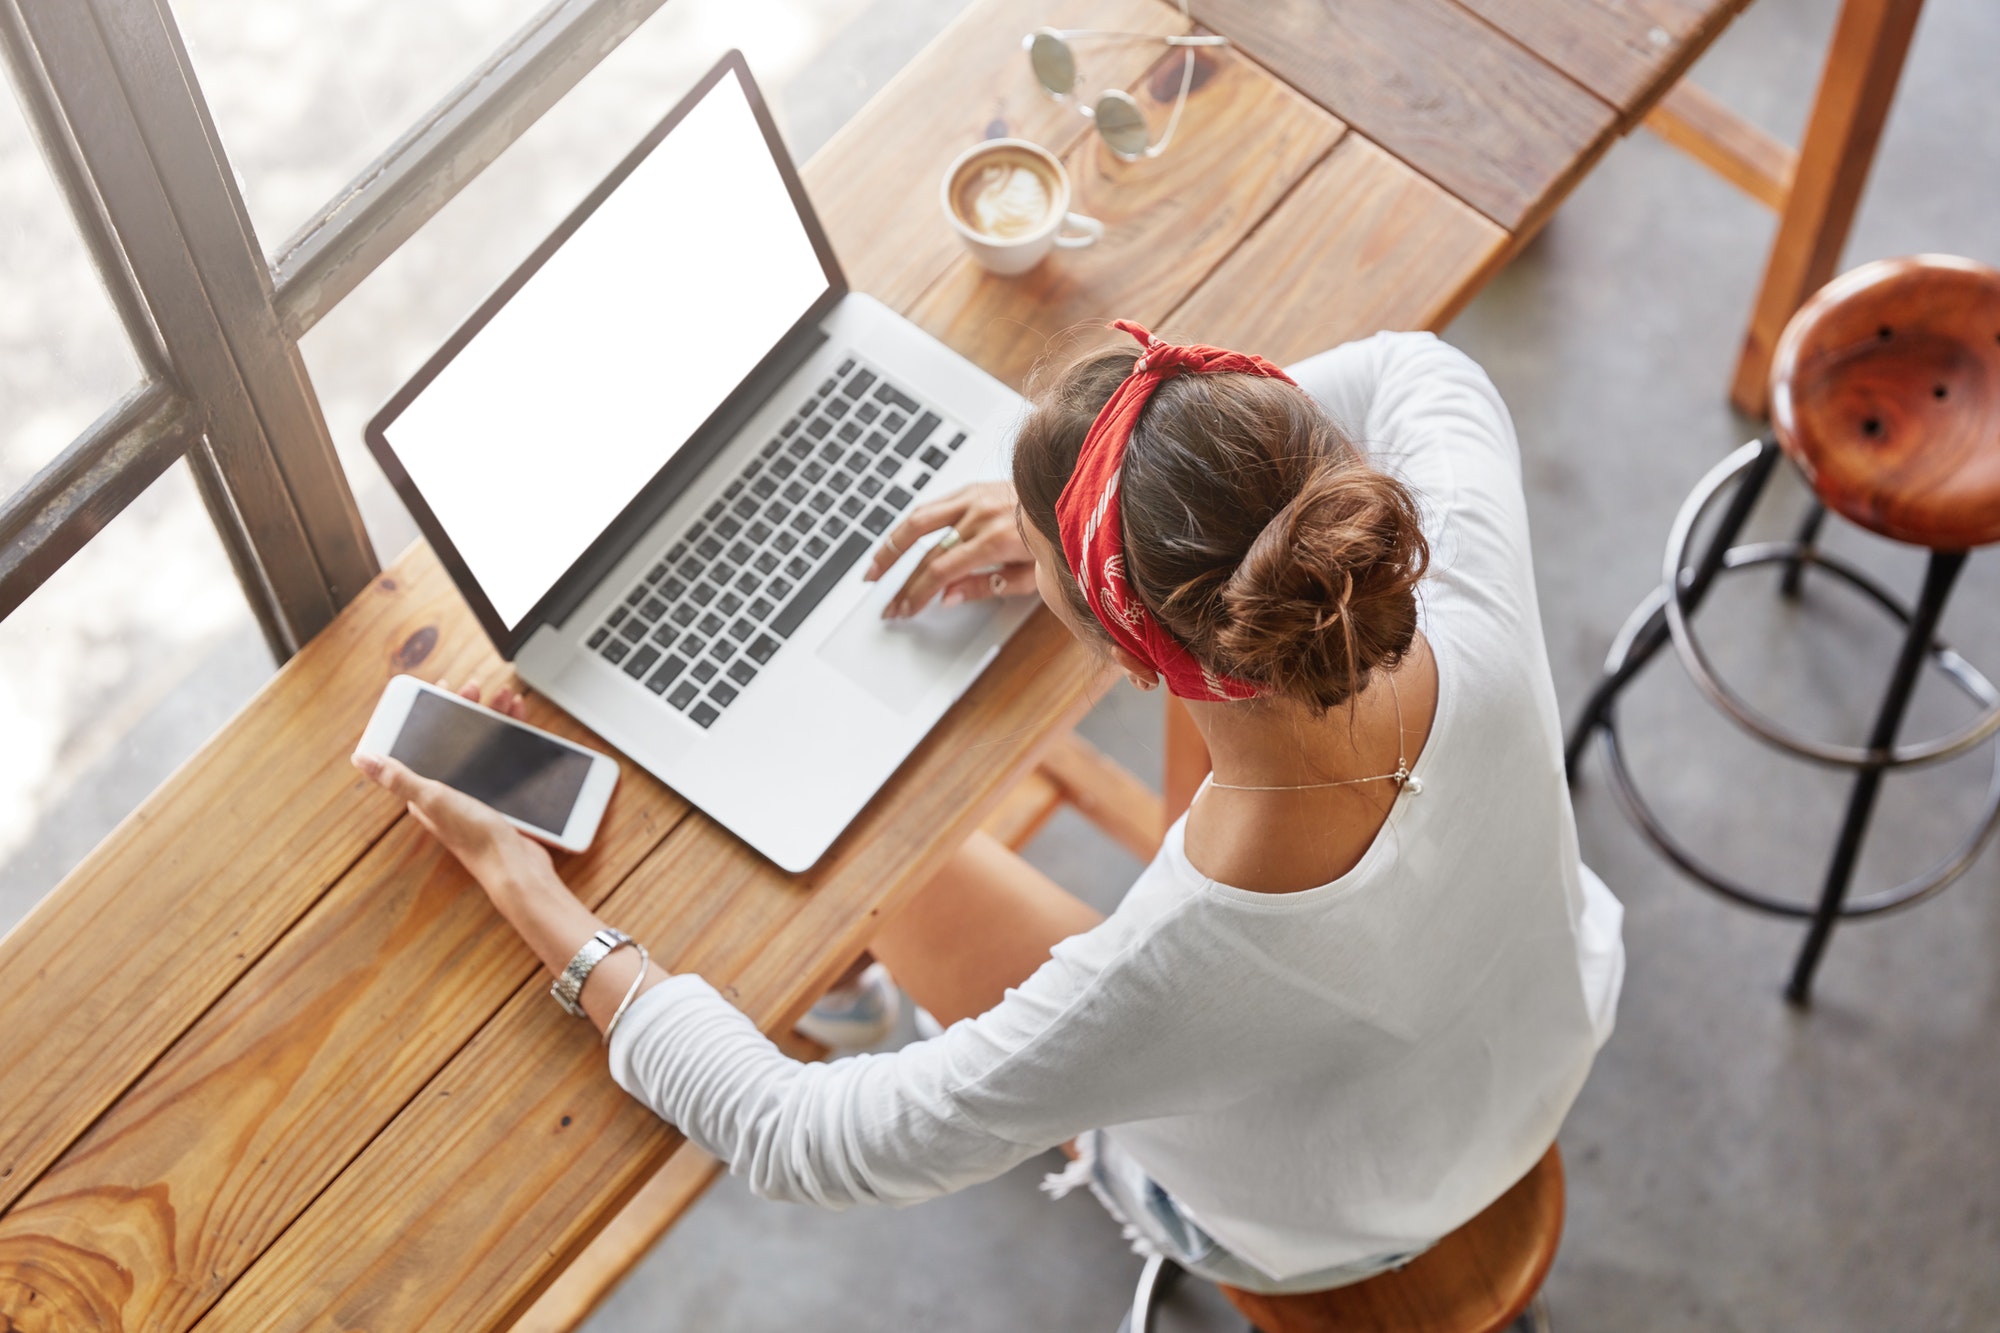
(1008, 200)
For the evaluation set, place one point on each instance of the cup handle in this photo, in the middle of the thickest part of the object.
(1088, 231)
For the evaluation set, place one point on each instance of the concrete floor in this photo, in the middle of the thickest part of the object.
(1733, 1164)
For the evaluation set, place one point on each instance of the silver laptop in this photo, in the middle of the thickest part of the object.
(656, 458)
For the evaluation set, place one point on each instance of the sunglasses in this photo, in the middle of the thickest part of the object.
(1116, 113)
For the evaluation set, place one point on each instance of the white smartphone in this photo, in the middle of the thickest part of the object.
(547, 787)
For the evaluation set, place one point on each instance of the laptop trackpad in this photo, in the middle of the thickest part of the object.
(898, 661)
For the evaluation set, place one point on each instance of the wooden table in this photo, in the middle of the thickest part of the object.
(271, 1062)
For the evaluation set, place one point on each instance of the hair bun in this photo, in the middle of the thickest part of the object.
(1327, 591)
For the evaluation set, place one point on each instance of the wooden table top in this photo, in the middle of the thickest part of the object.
(271, 1060)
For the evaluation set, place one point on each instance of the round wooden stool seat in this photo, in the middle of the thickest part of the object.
(1885, 390)
(1476, 1280)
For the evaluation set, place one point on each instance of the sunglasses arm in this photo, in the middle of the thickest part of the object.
(1067, 33)
(1180, 105)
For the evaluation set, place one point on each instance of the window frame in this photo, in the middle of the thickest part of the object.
(115, 105)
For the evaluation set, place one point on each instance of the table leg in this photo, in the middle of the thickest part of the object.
(1863, 63)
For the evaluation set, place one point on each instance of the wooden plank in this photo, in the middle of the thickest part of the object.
(875, 183)
(1628, 52)
(1692, 120)
(1362, 244)
(639, 1225)
(1864, 63)
(1167, 221)
(461, 1212)
(1436, 86)
(523, 1116)
(154, 1211)
(1125, 809)
(163, 915)
(628, 1238)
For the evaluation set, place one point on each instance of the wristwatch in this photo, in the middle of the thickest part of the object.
(568, 987)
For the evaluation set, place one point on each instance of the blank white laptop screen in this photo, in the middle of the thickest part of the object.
(581, 387)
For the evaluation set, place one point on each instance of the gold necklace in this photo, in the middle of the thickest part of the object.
(1402, 777)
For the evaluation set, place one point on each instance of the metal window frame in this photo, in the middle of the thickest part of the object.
(118, 112)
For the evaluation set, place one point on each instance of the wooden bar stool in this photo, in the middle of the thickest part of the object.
(1479, 1279)
(1885, 392)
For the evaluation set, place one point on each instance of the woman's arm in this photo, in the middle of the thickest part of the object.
(834, 1135)
(1084, 1042)
(516, 873)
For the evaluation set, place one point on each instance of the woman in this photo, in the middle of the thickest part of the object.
(1352, 998)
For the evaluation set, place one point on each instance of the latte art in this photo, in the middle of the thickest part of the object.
(1005, 196)
(1008, 200)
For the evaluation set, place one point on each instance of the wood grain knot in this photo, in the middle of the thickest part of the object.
(386, 584)
(416, 648)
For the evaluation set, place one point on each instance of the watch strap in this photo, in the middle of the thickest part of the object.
(568, 986)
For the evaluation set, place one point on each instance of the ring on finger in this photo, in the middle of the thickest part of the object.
(998, 582)
(949, 539)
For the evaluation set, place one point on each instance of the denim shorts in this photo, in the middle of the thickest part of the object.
(1155, 1224)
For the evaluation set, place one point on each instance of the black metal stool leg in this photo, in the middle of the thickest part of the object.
(1606, 690)
(1655, 635)
(1808, 540)
(1938, 579)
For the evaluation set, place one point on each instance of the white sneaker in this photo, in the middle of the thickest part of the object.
(856, 1016)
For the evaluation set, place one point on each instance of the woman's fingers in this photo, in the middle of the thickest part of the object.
(445, 811)
(394, 777)
(1013, 581)
(944, 512)
(505, 700)
(474, 832)
(985, 509)
(400, 780)
(945, 565)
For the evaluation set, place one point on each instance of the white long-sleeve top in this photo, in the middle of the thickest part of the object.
(1317, 1078)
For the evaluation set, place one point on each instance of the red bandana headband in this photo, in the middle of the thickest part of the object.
(1087, 513)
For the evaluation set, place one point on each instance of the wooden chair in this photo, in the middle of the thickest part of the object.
(1479, 1279)
(1885, 391)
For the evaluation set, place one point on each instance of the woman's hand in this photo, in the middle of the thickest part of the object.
(500, 856)
(988, 560)
(517, 875)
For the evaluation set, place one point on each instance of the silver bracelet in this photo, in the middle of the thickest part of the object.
(631, 993)
(568, 987)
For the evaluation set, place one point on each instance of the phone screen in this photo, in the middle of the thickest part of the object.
(517, 772)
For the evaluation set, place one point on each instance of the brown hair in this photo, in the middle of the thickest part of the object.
(1255, 533)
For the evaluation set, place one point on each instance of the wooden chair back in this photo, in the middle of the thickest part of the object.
(1478, 1279)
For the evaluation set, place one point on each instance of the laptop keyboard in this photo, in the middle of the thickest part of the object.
(723, 597)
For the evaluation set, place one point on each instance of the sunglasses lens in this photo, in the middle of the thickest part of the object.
(1122, 124)
(1054, 65)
